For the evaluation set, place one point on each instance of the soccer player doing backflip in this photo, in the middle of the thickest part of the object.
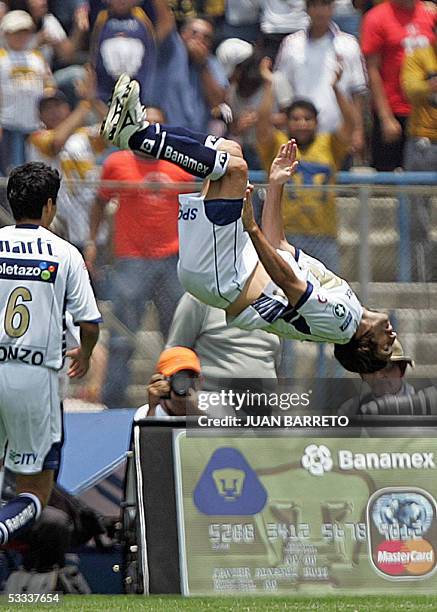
(226, 261)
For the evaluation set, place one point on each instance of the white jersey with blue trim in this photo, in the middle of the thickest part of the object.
(328, 311)
(41, 276)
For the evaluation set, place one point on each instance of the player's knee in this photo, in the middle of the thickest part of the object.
(238, 169)
(231, 147)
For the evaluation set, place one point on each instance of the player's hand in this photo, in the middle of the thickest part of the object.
(265, 70)
(285, 163)
(79, 364)
(391, 129)
(247, 217)
(157, 388)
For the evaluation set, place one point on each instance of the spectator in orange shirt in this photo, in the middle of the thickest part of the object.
(145, 249)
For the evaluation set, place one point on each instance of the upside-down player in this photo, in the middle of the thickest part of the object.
(262, 282)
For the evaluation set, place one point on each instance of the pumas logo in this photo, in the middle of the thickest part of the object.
(229, 486)
(317, 459)
(229, 483)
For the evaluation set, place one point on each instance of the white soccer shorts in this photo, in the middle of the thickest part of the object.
(215, 260)
(30, 415)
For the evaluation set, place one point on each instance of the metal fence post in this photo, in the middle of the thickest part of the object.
(404, 237)
(364, 264)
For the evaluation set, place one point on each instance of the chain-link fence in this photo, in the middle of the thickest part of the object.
(382, 238)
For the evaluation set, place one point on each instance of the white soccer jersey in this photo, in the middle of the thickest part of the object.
(41, 276)
(328, 311)
(216, 260)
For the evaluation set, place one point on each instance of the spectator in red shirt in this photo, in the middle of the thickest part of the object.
(145, 249)
(389, 31)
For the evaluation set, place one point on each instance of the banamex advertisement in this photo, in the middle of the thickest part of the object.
(306, 515)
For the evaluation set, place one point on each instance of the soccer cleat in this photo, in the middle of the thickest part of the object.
(121, 89)
(126, 114)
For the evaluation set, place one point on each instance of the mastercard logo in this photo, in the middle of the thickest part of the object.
(405, 558)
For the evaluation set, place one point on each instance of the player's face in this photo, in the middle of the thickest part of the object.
(302, 125)
(382, 333)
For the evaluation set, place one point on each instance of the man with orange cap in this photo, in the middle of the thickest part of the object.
(172, 390)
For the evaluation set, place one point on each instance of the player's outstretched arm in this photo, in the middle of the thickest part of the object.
(279, 271)
(283, 167)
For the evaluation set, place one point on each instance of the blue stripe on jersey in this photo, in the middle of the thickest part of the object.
(28, 269)
(271, 310)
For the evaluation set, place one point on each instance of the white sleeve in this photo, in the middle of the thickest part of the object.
(81, 302)
(332, 315)
(283, 90)
(357, 77)
(284, 58)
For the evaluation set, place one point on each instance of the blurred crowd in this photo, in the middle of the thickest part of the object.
(354, 82)
(204, 64)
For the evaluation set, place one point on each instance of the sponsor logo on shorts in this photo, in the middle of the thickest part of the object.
(28, 269)
(189, 214)
(22, 458)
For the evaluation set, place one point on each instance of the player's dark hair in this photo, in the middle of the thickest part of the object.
(301, 103)
(29, 188)
(360, 355)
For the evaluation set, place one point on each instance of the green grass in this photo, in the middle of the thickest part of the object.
(132, 603)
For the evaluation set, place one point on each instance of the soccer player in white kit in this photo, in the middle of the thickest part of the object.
(41, 277)
(262, 282)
